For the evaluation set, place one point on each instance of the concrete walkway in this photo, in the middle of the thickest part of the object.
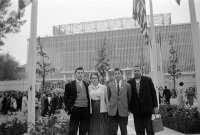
(131, 129)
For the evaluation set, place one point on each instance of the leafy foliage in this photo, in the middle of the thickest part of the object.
(14, 127)
(54, 125)
(8, 66)
(173, 60)
(103, 62)
(10, 22)
(44, 68)
(185, 120)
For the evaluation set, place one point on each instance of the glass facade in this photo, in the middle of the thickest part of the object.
(124, 47)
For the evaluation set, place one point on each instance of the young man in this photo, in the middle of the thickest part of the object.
(143, 102)
(76, 99)
(167, 94)
(119, 96)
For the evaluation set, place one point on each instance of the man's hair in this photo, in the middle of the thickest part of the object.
(79, 68)
(165, 87)
(137, 67)
(181, 83)
(118, 69)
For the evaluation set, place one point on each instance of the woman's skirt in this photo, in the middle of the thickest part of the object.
(98, 121)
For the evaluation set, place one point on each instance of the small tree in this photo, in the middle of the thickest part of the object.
(10, 22)
(173, 59)
(44, 67)
(103, 62)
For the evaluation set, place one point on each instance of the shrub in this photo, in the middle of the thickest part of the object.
(14, 127)
(185, 120)
(55, 125)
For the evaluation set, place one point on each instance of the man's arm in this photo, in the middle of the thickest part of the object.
(129, 93)
(109, 93)
(67, 95)
(153, 95)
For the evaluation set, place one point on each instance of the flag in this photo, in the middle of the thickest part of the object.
(139, 14)
(178, 1)
(23, 3)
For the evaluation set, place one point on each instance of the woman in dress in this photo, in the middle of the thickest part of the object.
(181, 95)
(98, 107)
(24, 104)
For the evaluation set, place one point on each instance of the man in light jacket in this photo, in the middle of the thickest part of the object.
(119, 97)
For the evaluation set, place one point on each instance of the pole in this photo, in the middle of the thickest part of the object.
(196, 45)
(153, 54)
(32, 64)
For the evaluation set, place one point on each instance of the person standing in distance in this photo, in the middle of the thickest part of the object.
(77, 104)
(143, 102)
(119, 97)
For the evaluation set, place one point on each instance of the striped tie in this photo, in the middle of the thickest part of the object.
(138, 88)
(118, 88)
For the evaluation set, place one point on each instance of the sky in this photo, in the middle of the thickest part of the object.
(57, 12)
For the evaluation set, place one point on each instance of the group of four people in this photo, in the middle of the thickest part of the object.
(97, 109)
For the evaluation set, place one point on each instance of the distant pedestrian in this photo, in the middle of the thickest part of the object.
(167, 94)
(181, 95)
(13, 105)
(190, 94)
(24, 104)
(44, 105)
(53, 104)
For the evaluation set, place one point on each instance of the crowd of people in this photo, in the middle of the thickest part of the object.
(185, 96)
(45, 105)
(11, 103)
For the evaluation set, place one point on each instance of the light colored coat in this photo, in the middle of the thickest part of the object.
(103, 98)
(119, 102)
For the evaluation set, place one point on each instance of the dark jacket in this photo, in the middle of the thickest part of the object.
(71, 94)
(167, 93)
(147, 99)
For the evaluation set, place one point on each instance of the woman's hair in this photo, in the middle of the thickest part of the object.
(181, 83)
(96, 74)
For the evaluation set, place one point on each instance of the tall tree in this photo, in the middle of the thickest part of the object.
(44, 68)
(173, 60)
(103, 62)
(10, 22)
(8, 66)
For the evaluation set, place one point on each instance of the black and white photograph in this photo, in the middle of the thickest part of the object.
(99, 67)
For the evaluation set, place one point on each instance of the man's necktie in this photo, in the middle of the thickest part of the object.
(117, 87)
(138, 87)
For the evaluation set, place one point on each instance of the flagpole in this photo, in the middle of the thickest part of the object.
(32, 64)
(196, 45)
(153, 54)
(160, 73)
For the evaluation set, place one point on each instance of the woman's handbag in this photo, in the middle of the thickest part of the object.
(157, 123)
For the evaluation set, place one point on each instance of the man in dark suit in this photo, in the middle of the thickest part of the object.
(143, 102)
(119, 96)
(76, 99)
(167, 94)
(44, 105)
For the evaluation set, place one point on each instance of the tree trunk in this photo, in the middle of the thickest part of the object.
(174, 83)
